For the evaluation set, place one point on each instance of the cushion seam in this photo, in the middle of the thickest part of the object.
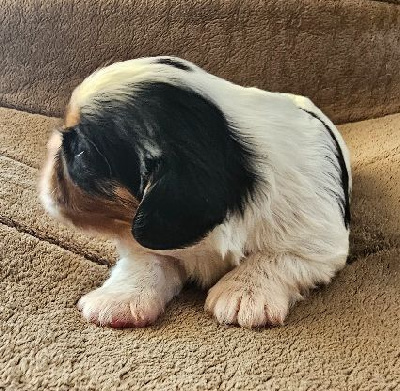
(21, 228)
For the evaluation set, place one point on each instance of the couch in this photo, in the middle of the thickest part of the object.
(343, 54)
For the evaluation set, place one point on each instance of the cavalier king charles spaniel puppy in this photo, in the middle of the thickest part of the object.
(243, 191)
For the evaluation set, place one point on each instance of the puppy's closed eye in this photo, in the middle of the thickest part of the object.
(87, 166)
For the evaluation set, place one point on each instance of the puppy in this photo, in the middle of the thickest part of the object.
(196, 178)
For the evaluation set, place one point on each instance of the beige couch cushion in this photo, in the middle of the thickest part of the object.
(344, 336)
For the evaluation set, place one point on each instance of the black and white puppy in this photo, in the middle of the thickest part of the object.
(199, 179)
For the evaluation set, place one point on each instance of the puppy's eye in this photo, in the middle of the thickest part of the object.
(75, 147)
(86, 165)
(75, 152)
(70, 142)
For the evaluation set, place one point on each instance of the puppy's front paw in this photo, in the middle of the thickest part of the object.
(106, 306)
(233, 301)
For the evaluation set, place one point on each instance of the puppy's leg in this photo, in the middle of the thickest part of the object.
(260, 290)
(136, 292)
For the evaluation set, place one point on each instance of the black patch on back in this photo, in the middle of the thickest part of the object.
(174, 63)
(343, 202)
(180, 143)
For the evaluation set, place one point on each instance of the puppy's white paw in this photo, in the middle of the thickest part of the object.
(107, 306)
(233, 301)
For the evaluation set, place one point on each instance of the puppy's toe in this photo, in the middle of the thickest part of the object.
(232, 302)
(120, 310)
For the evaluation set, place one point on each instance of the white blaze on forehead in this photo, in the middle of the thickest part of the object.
(104, 80)
(115, 79)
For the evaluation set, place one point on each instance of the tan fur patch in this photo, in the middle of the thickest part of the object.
(72, 116)
(112, 216)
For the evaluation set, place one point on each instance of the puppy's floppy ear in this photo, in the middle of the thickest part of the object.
(178, 209)
(202, 170)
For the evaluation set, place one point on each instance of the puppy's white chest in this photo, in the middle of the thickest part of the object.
(205, 265)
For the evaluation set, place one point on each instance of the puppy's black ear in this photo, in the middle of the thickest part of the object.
(179, 209)
(202, 173)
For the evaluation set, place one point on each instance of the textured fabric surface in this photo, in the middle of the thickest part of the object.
(344, 336)
(344, 54)
(389, 1)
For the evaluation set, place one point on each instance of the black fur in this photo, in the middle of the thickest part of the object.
(344, 202)
(174, 63)
(174, 139)
(92, 167)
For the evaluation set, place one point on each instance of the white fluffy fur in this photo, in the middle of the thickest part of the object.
(290, 238)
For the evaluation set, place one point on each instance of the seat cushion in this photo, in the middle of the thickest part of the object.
(345, 335)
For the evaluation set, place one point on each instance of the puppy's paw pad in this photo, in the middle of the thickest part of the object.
(106, 307)
(233, 302)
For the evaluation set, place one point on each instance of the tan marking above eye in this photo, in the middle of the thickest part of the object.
(125, 196)
(72, 116)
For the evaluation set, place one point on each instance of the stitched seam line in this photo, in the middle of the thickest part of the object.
(9, 222)
(53, 240)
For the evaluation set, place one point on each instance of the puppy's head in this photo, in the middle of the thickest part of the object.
(76, 185)
(156, 161)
